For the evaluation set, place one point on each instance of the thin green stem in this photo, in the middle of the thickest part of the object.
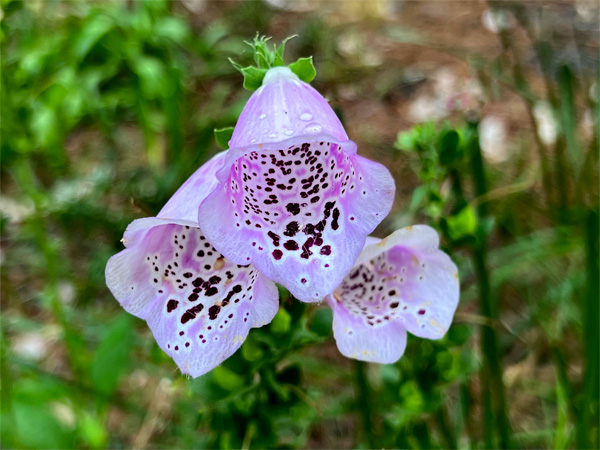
(446, 430)
(465, 404)
(6, 391)
(588, 431)
(363, 402)
(73, 343)
(492, 367)
(564, 384)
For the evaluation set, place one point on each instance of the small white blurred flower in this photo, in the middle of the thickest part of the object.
(594, 92)
(587, 10)
(15, 211)
(194, 6)
(426, 107)
(546, 123)
(66, 292)
(497, 20)
(492, 138)
(445, 82)
(64, 413)
(30, 345)
(587, 125)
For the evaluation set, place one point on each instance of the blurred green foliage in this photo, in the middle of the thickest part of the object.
(108, 107)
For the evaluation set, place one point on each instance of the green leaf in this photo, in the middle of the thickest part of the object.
(321, 322)
(568, 113)
(251, 351)
(91, 33)
(419, 198)
(304, 68)
(449, 147)
(281, 322)
(93, 432)
(227, 379)
(406, 141)
(152, 76)
(113, 355)
(223, 136)
(172, 28)
(37, 427)
(253, 76)
(462, 224)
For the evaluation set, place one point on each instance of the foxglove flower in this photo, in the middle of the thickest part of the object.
(401, 283)
(294, 199)
(199, 305)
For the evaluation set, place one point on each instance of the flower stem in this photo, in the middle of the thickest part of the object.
(492, 366)
(587, 437)
(363, 402)
(72, 341)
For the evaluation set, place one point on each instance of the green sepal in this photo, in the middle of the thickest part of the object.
(266, 58)
(278, 55)
(222, 136)
(304, 69)
(253, 76)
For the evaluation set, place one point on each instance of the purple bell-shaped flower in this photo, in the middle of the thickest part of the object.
(199, 305)
(294, 198)
(401, 283)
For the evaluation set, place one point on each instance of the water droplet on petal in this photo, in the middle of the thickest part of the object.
(262, 116)
(313, 128)
(288, 132)
(306, 116)
(264, 131)
(253, 141)
(273, 135)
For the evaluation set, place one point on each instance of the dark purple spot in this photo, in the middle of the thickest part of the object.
(291, 229)
(171, 305)
(336, 216)
(326, 250)
(211, 291)
(277, 254)
(293, 208)
(291, 245)
(328, 208)
(191, 313)
(275, 237)
(213, 312)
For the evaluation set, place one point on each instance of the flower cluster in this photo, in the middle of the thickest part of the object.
(290, 202)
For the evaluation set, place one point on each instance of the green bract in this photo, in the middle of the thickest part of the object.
(266, 59)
